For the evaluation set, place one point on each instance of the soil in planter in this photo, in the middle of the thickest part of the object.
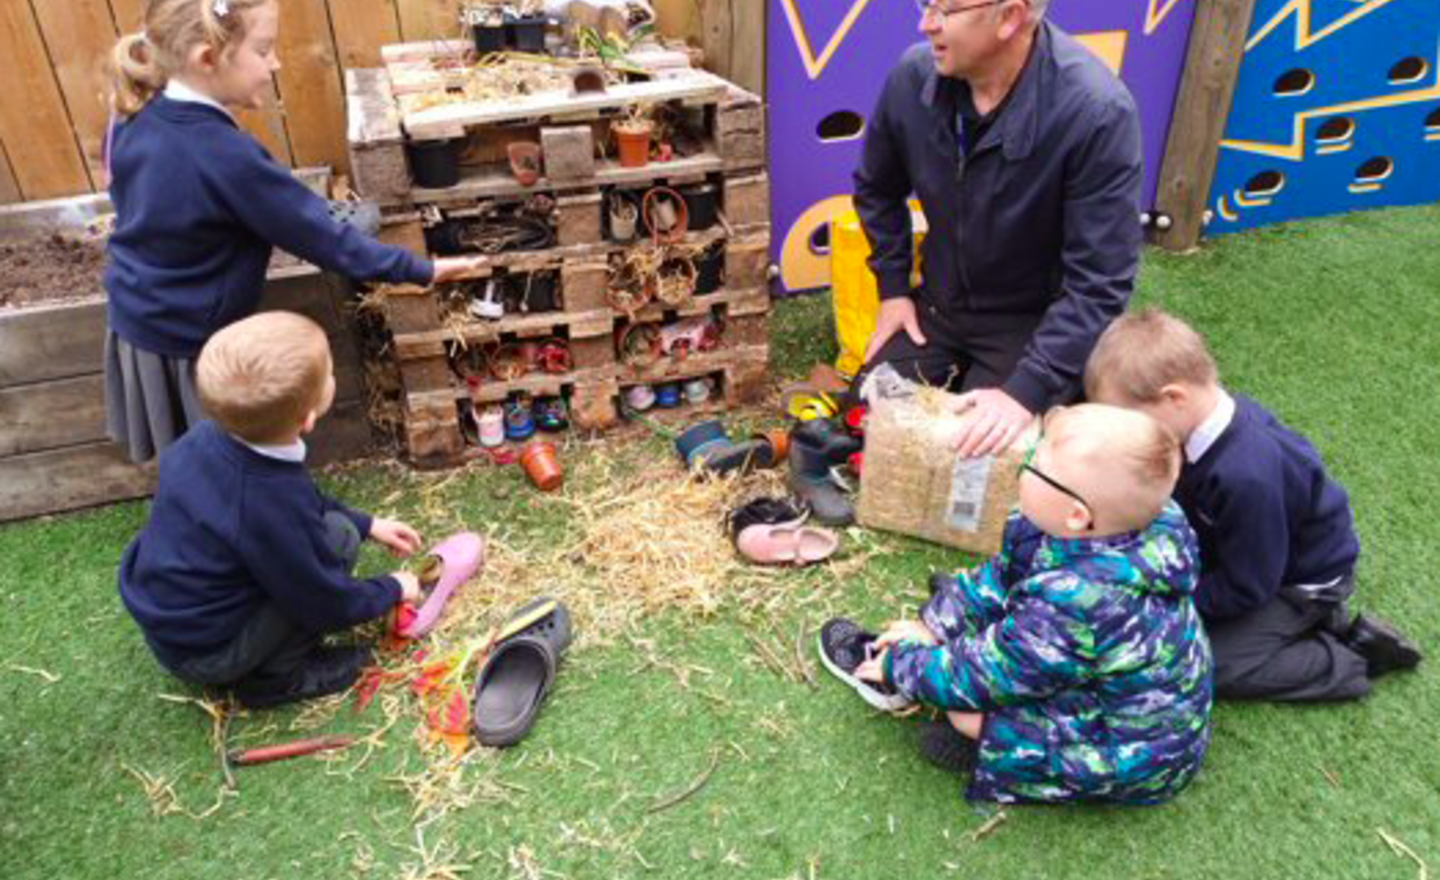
(50, 269)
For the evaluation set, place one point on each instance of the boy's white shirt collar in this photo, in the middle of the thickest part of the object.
(176, 90)
(284, 452)
(1204, 436)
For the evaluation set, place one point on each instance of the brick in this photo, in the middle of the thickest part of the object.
(747, 199)
(413, 311)
(747, 263)
(579, 221)
(569, 152)
(582, 285)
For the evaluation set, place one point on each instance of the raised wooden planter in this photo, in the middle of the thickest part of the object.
(54, 454)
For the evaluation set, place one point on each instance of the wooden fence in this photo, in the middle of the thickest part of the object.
(53, 111)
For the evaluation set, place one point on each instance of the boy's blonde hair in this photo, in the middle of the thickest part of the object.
(1125, 462)
(143, 62)
(1142, 352)
(259, 378)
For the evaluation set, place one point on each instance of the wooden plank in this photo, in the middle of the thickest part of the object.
(429, 19)
(51, 342)
(69, 479)
(1201, 113)
(310, 85)
(361, 29)
(81, 34)
(495, 182)
(716, 37)
(444, 121)
(676, 18)
(129, 15)
(268, 126)
(747, 46)
(38, 137)
(9, 189)
(47, 415)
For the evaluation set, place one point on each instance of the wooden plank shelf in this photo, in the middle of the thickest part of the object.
(495, 181)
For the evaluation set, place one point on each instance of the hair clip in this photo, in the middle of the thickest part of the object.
(221, 8)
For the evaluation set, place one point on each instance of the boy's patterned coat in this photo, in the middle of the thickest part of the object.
(1087, 657)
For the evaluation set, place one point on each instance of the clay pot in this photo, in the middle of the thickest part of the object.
(542, 465)
(524, 161)
(633, 144)
(587, 80)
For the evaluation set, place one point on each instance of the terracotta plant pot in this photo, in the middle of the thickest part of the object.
(633, 143)
(524, 161)
(542, 465)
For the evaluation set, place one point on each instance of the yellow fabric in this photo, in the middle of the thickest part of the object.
(853, 286)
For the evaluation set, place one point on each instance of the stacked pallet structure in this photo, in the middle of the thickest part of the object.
(436, 338)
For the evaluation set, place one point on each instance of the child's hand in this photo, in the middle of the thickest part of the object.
(399, 537)
(907, 631)
(409, 587)
(873, 670)
(451, 268)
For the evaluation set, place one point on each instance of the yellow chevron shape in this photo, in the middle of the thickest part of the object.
(814, 66)
(1295, 150)
(1109, 45)
(1305, 34)
(1155, 17)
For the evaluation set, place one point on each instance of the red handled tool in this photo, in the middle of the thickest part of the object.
(266, 754)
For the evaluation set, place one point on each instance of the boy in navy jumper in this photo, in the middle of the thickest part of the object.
(1277, 536)
(245, 563)
(199, 204)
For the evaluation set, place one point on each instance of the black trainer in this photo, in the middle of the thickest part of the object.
(843, 647)
(947, 748)
(326, 671)
(1382, 646)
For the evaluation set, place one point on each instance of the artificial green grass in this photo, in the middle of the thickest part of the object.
(1328, 322)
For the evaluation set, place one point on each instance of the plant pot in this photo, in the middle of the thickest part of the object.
(525, 33)
(443, 239)
(434, 164)
(542, 465)
(633, 145)
(588, 81)
(488, 38)
(525, 162)
(709, 269)
(623, 216)
(539, 292)
(702, 205)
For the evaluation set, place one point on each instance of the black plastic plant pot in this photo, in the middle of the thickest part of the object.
(540, 295)
(700, 204)
(434, 164)
(708, 268)
(488, 38)
(526, 33)
(444, 239)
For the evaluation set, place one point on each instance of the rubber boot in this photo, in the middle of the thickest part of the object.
(817, 446)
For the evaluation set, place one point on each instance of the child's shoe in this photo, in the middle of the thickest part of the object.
(327, 670)
(550, 414)
(1382, 646)
(667, 395)
(947, 748)
(843, 647)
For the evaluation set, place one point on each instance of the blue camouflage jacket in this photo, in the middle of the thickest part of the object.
(1087, 657)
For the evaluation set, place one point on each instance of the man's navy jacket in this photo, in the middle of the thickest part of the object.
(1041, 217)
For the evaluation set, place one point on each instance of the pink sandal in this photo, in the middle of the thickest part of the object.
(781, 544)
(462, 555)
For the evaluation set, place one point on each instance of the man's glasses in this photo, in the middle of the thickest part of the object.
(930, 8)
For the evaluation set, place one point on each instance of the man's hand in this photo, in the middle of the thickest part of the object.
(451, 268)
(397, 536)
(995, 420)
(409, 587)
(895, 315)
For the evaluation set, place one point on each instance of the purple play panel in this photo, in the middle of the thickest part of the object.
(831, 56)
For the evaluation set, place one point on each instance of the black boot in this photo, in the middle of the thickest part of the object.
(1382, 646)
(948, 748)
(817, 446)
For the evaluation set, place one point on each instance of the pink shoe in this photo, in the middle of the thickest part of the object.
(462, 555)
(779, 544)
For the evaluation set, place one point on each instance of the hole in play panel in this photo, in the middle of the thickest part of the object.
(1409, 70)
(842, 125)
(1374, 170)
(1335, 130)
(1432, 121)
(1294, 82)
(1266, 183)
(820, 240)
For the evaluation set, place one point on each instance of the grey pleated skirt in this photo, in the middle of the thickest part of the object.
(150, 399)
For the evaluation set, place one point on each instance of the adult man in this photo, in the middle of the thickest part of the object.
(1024, 150)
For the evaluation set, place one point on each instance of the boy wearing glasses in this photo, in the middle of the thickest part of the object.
(1081, 672)
(1277, 536)
(1025, 151)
